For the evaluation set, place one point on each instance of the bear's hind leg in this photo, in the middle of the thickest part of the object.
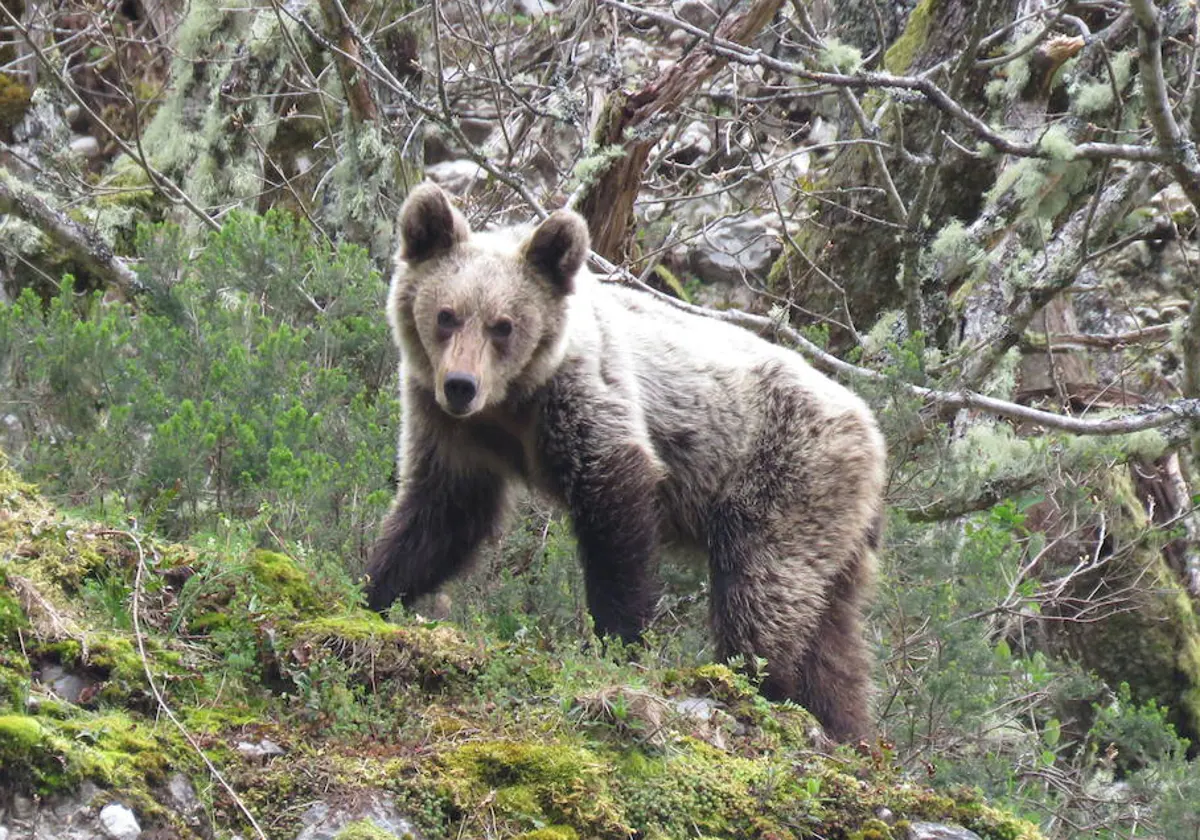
(833, 681)
(773, 598)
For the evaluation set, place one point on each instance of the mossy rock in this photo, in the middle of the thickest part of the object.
(114, 660)
(363, 830)
(377, 650)
(551, 832)
(12, 616)
(282, 582)
(267, 586)
(533, 783)
(20, 736)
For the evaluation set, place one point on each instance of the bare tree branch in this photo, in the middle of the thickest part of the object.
(1180, 149)
(162, 184)
(1148, 417)
(918, 84)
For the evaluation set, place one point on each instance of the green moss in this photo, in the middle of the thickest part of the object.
(552, 832)
(873, 830)
(719, 682)
(375, 649)
(538, 783)
(14, 101)
(115, 659)
(12, 616)
(1156, 647)
(20, 735)
(902, 53)
(363, 830)
(14, 681)
(282, 581)
(50, 755)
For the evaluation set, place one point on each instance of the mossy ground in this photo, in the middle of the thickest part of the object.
(473, 737)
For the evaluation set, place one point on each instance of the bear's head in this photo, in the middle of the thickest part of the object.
(481, 317)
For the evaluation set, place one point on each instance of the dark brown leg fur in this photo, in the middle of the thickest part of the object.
(431, 533)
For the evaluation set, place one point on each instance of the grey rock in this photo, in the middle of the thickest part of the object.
(693, 143)
(266, 748)
(182, 794)
(456, 176)
(23, 807)
(939, 831)
(119, 823)
(85, 145)
(701, 708)
(696, 12)
(733, 250)
(323, 822)
(66, 684)
(532, 8)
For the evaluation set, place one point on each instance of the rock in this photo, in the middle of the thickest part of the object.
(266, 748)
(118, 822)
(23, 807)
(456, 176)
(732, 250)
(323, 822)
(532, 8)
(701, 708)
(693, 143)
(85, 145)
(68, 685)
(182, 794)
(939, 831)
(696, 12)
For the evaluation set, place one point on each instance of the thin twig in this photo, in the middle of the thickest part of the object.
(158, 697)
(1181, 149)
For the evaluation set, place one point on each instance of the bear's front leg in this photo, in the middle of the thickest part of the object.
(610, 486)
(437, 522)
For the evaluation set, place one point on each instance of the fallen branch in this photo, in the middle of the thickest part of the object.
(627, 125)
(85, 245)
(1115, 341)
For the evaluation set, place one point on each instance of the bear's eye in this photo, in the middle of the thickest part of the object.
(502, 328)
(446, 319)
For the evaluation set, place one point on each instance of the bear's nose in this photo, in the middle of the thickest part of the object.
(460, 390)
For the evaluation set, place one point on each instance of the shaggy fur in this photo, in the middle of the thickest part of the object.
(648, 424)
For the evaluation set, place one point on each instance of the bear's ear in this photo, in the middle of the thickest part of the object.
(429, 225)
(558, 248)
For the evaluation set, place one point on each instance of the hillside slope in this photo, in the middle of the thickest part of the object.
(185, 690)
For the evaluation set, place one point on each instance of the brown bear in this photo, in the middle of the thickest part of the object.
(648, 424)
